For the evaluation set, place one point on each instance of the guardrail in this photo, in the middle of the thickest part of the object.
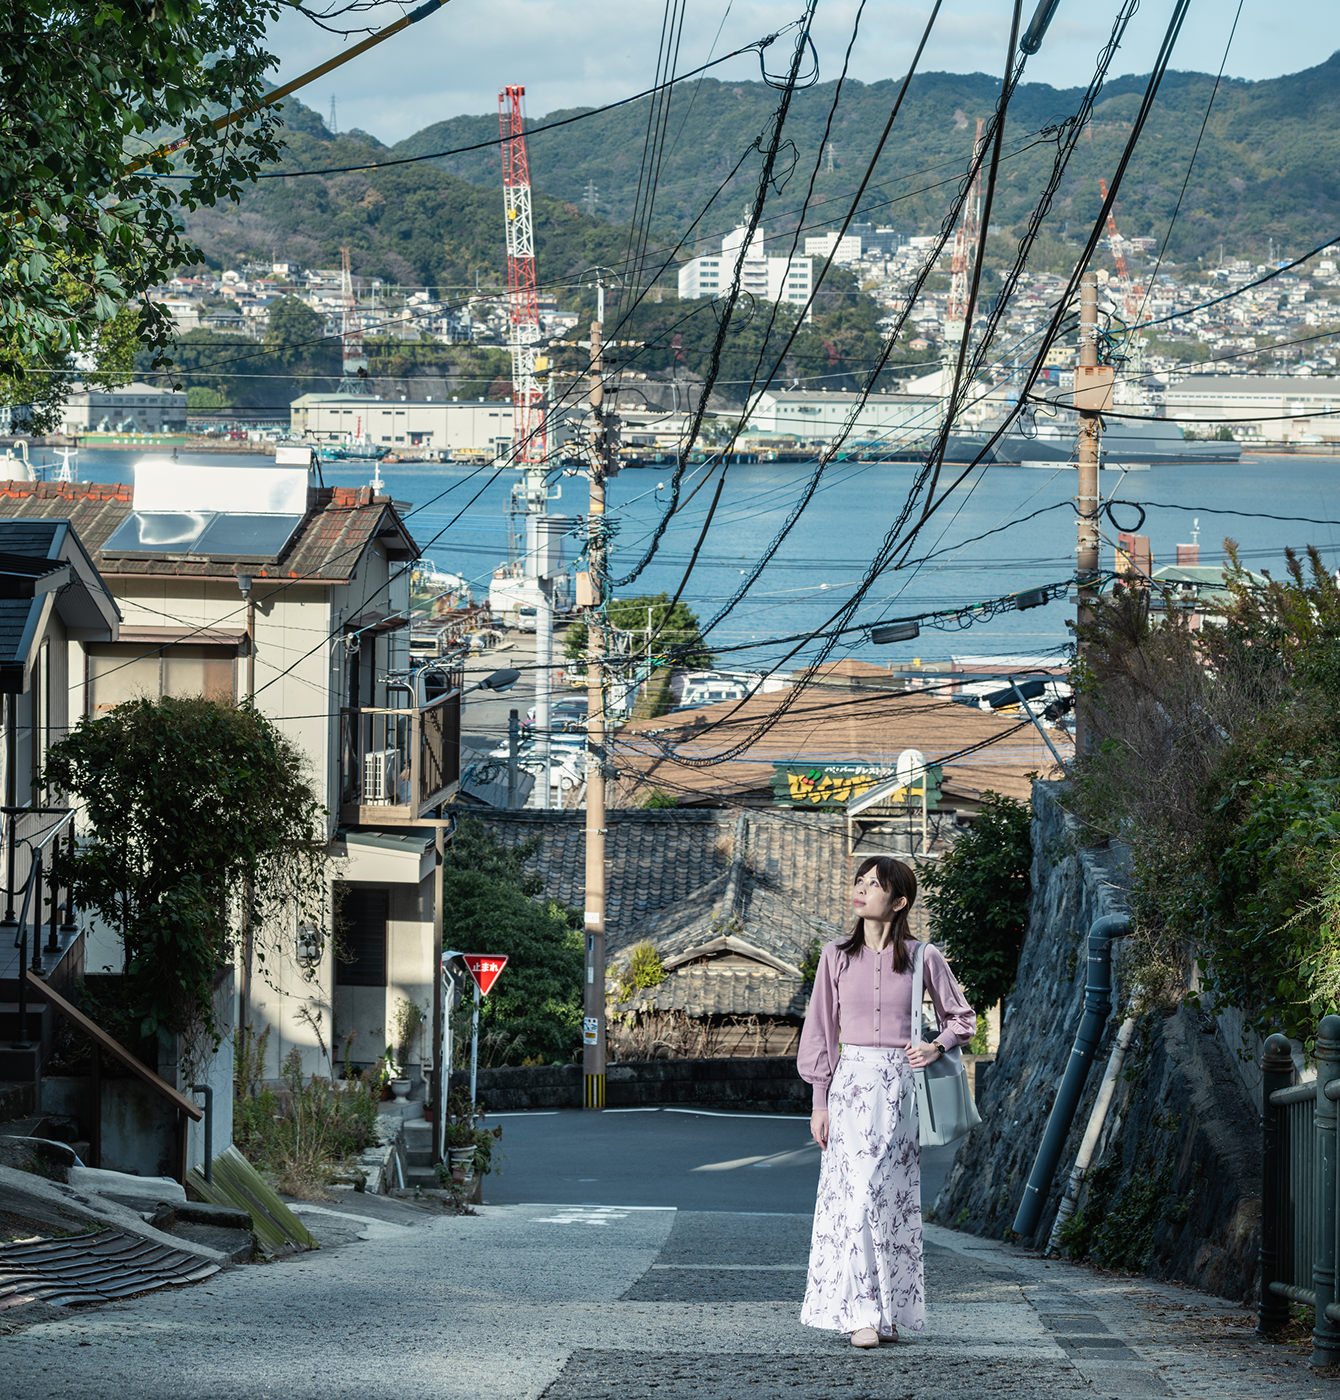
(1300, 1195)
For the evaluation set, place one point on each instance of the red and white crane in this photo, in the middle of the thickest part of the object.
(965, 251)
(1130, 290)
(523, 308)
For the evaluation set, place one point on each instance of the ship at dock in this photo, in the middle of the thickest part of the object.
(1125, 442)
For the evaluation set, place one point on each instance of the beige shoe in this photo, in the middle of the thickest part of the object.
(865, 1337)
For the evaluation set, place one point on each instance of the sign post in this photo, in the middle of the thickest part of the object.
(448, 994)
(485, 968)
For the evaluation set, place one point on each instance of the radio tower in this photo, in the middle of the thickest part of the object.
(965, 250)
(523, 310)
(355, 380)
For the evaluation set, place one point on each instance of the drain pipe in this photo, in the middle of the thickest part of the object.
(1079, 1174)
(1097, 1008)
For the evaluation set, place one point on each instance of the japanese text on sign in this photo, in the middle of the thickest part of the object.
(485, 968)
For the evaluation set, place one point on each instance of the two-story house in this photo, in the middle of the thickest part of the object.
(258, 584)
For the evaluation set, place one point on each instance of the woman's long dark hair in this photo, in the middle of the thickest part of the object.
(897, 878)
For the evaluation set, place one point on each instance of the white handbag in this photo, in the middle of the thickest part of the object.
(945, 1105)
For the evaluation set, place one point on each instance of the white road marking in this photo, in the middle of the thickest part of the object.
(591, 1215)
(714, 1113)
(777, 1159)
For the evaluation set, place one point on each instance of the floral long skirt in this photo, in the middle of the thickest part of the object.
(865, 1252)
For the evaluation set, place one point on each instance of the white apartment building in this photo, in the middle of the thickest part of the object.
(844, 250)
(134, 408)
(768, 278)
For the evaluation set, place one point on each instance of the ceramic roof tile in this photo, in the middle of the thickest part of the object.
(681, 878)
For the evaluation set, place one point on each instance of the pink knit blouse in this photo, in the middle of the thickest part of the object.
(861, 1000)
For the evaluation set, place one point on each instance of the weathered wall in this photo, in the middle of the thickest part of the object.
(767, 1083)
(1182, 1133)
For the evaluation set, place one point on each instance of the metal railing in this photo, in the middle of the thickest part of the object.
(1300, 1190)
(396, 764)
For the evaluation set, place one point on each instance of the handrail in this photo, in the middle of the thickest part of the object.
(1301, 1093)
(113, 1047)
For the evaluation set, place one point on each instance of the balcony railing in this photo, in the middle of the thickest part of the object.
(396, 765)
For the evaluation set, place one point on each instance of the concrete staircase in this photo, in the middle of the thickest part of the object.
(418, 1140)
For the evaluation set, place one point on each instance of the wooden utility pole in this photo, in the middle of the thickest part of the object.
(593, 1024)
(1093, 396)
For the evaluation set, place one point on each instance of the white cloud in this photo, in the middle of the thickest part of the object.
(456, 61)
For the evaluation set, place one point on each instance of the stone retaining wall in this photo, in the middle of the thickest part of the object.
(1182, 1135)
(765, 1084)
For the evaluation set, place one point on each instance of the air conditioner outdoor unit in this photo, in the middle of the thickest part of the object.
(380, 768)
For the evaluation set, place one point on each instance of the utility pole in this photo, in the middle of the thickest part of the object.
(513, 744)
(1092, 397)
(593, 1024)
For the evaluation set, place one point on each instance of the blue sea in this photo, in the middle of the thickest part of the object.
(458, 515)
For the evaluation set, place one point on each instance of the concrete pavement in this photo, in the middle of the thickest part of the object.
(579, 1291)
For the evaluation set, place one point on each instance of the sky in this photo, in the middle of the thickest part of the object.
(586, 54)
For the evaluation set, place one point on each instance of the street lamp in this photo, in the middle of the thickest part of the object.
(497, 681)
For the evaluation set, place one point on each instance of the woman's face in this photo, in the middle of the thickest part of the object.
(870, 900)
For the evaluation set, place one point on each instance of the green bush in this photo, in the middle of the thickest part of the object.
(644, 970)
(535, 1008)
(1218, 761)
(300, 1134)
(977, 898)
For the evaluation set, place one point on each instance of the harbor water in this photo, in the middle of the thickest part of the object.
(457, 513)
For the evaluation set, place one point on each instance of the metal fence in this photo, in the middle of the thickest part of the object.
(1300, 1181)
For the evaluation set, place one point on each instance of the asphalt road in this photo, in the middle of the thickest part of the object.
(685, 1158)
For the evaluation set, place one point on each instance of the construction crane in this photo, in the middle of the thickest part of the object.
(965, 251)
(523, 309)
(355, 377)
(1131, 292)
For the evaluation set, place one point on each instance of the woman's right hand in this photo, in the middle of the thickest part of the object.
(819, 1126)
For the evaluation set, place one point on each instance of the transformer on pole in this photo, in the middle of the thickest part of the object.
(523, 308)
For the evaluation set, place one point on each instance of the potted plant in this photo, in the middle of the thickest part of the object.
(462, 1146)
(409, 1019)
(470, 1145)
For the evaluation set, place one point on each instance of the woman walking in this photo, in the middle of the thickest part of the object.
(856, 1049)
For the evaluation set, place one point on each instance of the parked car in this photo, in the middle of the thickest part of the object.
(567, 715)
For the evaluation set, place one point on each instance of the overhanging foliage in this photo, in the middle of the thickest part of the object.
(1218, 761)
(191, 803)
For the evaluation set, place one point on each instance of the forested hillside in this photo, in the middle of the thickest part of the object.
(1268, 168)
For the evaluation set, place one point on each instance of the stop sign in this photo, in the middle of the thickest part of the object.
(485, 968)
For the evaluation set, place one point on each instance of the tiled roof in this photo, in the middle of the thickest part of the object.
(46, 565)
(710, 989)
(866, 727)
(690, 880)
(653, 859)
(336, 531)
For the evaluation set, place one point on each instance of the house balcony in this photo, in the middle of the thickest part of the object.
(396, 765)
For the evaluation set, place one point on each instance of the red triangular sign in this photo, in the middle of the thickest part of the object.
(485, 968)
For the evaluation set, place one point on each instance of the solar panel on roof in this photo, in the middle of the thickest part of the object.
(247, 536)
(202, 535)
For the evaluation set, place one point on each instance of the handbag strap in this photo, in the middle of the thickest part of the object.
(917, 992)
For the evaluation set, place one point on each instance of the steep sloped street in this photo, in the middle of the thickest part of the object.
(568, 1290)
